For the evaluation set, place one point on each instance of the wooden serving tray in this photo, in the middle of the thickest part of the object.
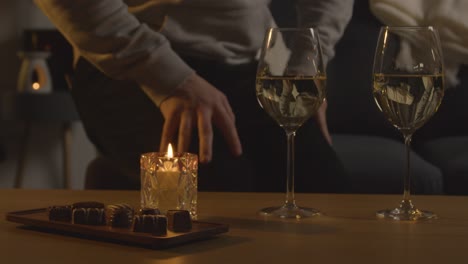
(38, 218)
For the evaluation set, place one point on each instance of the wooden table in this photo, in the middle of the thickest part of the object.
(348, 232)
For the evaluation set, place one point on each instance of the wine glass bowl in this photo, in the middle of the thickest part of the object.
(408, 87)
(290, 87)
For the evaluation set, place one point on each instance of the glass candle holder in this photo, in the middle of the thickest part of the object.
(169, 182)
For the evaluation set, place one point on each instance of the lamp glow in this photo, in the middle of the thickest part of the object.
(36, 86)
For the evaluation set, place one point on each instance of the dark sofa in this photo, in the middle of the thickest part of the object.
(370, 148)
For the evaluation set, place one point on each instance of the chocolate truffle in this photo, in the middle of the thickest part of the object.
(60, 213)
(88, 213)
(149, 211)
(154, 224)
(179, 220)
(88, 204)
(88, 216)
(119, 215)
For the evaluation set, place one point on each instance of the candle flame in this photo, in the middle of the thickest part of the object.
(170, 153)
(36, 86)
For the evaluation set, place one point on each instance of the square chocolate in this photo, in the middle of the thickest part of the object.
(179, 220)
(60, 213)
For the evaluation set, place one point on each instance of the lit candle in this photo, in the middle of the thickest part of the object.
(169, 162)
(168, 178)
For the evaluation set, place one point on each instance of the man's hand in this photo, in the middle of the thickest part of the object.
(198, 104)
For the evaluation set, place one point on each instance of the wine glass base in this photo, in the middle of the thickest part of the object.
(286, 211)
(405, 215)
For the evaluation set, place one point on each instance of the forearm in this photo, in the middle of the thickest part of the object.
(330, 17)
(111, 38)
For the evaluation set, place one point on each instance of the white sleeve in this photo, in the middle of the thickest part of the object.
(111, 38)
(330, 17)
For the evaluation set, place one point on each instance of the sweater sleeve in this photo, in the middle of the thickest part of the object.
(111, 38)
(329, 17)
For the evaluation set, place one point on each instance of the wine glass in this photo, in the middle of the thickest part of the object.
(408, 88)
(290, 87)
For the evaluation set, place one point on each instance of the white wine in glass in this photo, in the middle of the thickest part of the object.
(408, 88)
(290, 87)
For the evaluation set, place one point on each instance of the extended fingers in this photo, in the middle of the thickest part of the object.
(205, 134)
(185, 130)
(228, 108)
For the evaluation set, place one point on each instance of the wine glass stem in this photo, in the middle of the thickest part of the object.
(407, 178)
(290, 170)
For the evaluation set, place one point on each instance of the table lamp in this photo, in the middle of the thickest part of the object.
(34, 75)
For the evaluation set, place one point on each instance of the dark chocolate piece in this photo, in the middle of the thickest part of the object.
(88, 204)
(154, 224)
(179, 220)
(60, 213)
(88, 216)
(138, 224)
(119, 215)
(161, 227)
(149, 211)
